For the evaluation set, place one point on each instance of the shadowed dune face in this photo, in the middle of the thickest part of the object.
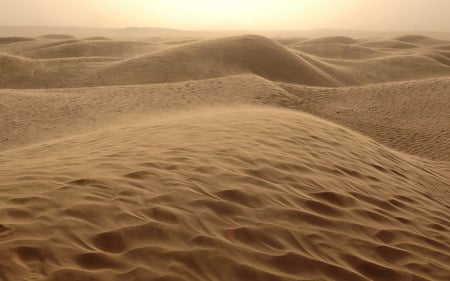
(10, 40)
(269, 194)
(16, 70)
(193, 159)
(57, 36)
(97, 48)
(418, 39)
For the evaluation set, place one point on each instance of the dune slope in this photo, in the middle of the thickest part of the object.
(92, 48)
(409, 116)
(268, 194)
(30, 116)
(213, 58)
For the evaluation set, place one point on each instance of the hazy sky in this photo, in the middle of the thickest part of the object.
(382, 15)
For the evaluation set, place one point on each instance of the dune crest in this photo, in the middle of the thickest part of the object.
(212, 58)
(269, 194)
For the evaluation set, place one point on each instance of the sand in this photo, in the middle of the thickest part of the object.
(232, 158)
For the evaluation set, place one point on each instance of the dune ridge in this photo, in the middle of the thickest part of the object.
(213, 58)
(93, 48)
(16, 39)
(344, 190)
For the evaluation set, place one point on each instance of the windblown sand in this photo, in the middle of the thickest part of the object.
(238, 158)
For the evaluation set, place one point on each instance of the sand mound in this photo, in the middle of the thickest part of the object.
(409, 116)
(331, 40)
(9, 40)
(24, 49)
(178, 41)
(26, 118)
(94, 38)
(419, 39)
(444, 47)
(19, 72)
(290, 40)
(388, 69)
(105, 48)
(16, 70)
(442, 57)
(267, 195)
(339, 51)
(390, 44)
(57, 36)
(214, 58)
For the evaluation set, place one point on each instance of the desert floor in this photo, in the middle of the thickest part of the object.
(231, 158)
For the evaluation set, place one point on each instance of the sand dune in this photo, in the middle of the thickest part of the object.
(22, 48)
(339, 51)
(162, 61)
(21, 72)
(409, 116)
(98, 48)
(213, 58)
(290, 40)
(15, 70)
(445, 47)
(57, 36)
(97, 38)
(419, 39)
(236, 158)
(291, 198)
(9, 40)
(25, 117)
(389, 69)
(330, 40)
(390, 44)
(372, 110)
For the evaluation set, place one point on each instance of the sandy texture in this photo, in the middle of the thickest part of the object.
(238, 158)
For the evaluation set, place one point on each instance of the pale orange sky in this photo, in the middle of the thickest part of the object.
(381, 15)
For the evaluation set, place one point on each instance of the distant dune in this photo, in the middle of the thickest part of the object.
(9, 40)
(419, 39)
(390, 44)
(166, 157)
(97, 48)
(330, 62)
(57, 36)
(21, 72)
(16, 70)
(97, 38)
(213, 58)
(330, 40)
(339, 51)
